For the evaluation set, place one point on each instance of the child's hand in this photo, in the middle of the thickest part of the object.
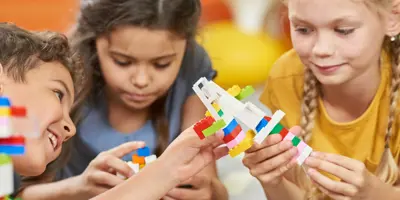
(356, 181)
(187, 154)
(100, 175)
(201, 188)
(270, 160)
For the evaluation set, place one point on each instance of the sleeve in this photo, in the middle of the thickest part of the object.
(200, 66)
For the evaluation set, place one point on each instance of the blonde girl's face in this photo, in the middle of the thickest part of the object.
(339, 40)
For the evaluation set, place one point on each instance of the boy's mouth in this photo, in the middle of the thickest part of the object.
(54, 139)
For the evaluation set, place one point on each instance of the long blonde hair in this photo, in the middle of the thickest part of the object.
(387, 169)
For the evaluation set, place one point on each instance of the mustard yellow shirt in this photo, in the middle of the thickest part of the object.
(361, 139)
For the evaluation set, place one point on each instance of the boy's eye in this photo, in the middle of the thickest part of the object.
(303, 30)
(344, 31)
(59, 94)
(162, 65)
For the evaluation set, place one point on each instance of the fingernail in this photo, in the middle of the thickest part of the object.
(293, 151)
(311, 170)
(288, 144)
(314, 154)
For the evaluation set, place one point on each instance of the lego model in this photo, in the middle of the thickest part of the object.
(225, 111)
(10, 145)
(140, 160)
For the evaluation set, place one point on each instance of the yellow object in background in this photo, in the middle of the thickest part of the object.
(239, 58)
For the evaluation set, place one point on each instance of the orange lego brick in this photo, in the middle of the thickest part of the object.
(138, 159)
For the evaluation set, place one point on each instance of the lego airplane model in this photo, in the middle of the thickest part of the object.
(225, 109)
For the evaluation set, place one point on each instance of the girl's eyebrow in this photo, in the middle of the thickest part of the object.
(133, 58)
(338, 20)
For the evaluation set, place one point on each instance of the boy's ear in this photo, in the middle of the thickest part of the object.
(393, 23)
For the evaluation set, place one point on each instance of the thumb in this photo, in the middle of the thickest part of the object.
(295, 130)
(213, 140)
(126, 148)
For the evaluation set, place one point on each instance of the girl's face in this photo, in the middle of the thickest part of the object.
(340, 40)
(139, 65)
(47, 94)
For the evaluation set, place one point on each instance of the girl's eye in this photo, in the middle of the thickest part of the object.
(161, 66)
(122, 63)
(59, 94)
(344, 31)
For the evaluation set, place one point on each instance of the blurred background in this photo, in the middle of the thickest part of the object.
(242, 37)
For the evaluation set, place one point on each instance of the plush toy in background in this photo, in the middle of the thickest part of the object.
(226, 111)
(140, 160)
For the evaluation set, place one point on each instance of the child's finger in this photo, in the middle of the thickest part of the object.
(103, 178)
(119, 166)
(126, 148)
(267, 152)
(220, 152)
(271, 140)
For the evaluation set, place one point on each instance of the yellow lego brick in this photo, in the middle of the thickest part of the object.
(5, 111)
(234, 90)
(216, 107)
(244, 145)
(141, 166)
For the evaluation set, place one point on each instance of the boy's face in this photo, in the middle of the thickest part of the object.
(48, 94)
(339, 40)
(139, 65)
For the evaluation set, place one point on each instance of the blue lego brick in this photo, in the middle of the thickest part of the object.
(12, 149)
(4, 102)
(261, 125)
(145, 151)
(231, 126)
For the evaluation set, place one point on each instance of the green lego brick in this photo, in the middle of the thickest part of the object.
(5, 159)
(277, 129)
(295, 141)
(220, 113)
(245, 92)
(214, 128)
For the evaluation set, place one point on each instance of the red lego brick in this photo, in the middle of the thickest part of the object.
(283, 133)
(202, 125)
(20, 140)
(267, 118)
(232, 135)
(18, 111)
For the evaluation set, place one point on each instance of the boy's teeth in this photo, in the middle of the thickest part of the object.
(53, 140)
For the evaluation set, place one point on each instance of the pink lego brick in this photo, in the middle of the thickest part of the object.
(289, 136)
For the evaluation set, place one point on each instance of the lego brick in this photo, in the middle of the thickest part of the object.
(240, 137)
(245, 92)
(214, 128)
(234, 90)
(231, 144)
(289, 136)
(243, 146)
(249, 117)
(276, 118)
(6, 180)
(295, 141)
(202, 125)
(12, 149)
(145, 151)
(138, 159)
(277, 129)
(5, 159)
(134, 167)
(231, 126)
(220, 113)
(306, 152)
(18, 111)
(5, 111)
(232, 135)
(284, 132)
(141, 166)
(15, 140)
(301, 146)
(261, 124)
(150, 159)
(5, 121)
(5, 131)
(4, 102)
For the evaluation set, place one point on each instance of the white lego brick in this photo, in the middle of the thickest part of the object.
(134, 167)
(249, 118)
(5, 127)
(207, 102)
(275, 119)
(230, 104)
(150, 159)
(304, 154)
(6, 180)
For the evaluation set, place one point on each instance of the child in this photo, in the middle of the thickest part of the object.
(38, 71)
(144, 60)
(343, 75)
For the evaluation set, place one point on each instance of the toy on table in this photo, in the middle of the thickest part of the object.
(140, 160)
(10, 144)
(225, 109)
